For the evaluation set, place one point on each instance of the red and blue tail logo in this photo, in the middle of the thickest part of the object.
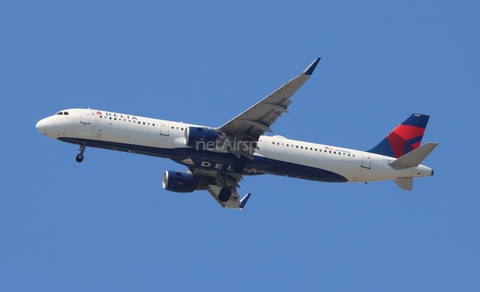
(404, 138)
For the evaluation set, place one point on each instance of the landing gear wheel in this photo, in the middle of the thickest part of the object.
(79, 157)
(225, 195)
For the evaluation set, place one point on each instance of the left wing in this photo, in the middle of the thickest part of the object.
(256, 120)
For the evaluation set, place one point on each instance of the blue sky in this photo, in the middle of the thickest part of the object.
(107, 224)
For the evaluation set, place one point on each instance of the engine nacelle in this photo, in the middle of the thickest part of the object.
(180, 182)
(200, 138)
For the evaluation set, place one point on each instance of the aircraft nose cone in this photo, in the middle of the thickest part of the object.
(41, 126)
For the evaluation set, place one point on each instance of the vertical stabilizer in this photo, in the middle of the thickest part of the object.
(404, 138)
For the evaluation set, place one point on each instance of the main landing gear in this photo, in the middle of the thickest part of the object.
(80, 156)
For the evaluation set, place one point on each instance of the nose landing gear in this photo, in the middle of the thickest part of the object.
(80, 156)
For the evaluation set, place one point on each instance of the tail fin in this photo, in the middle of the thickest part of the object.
(404, 138)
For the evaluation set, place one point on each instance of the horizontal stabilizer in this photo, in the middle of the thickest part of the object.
(405, 183)
(415, 157)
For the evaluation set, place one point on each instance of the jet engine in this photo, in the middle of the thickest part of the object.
(180, 182)
(200, 138)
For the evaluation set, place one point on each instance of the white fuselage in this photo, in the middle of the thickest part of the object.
(274, 155)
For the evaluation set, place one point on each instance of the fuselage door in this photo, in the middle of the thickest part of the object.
(85, 117)
(366, 160)
(164, 128)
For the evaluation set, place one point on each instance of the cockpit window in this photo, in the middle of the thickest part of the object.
(59, 113)
(65, 113)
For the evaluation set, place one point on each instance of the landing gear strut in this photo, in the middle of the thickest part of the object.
(79, 157)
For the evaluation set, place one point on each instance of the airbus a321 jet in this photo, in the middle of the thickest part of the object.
(219, 157)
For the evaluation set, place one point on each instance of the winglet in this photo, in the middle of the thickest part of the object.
(311, 67)
(244, 200)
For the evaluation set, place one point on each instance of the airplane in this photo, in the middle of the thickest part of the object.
(219, 157)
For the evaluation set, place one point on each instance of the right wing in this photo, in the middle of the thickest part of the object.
(234, 202)
(215, 181)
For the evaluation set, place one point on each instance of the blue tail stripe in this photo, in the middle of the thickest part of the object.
(417, 120)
